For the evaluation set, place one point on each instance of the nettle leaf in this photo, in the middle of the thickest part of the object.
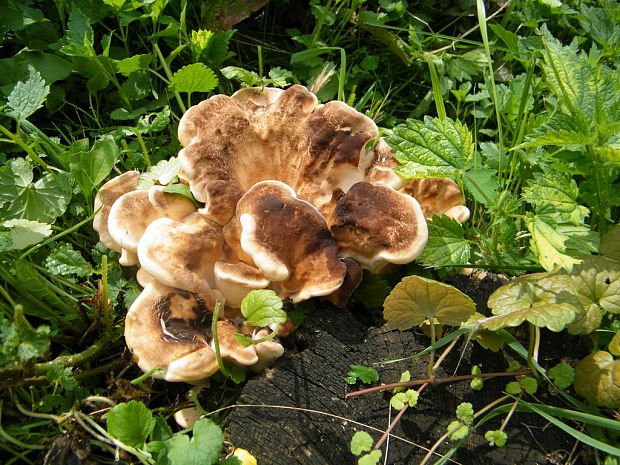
(203, 449)
(42, 201)
(65, 261)
(196, 77)
(361, 442)
(164, 173)
(563, 130)
(556, 189)
(23, 233)
(596, 379)
(17, 16)
(596, 285)
(131, 423)
(416, 300)
(90, 168)
(610, 244)
(79, 38)
(211, 47)
(27, 96)
(446, 243)
(435, 147)
(366, 375)
(262, 307)
(544, 300)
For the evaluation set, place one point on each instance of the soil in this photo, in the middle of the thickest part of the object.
(297, 413)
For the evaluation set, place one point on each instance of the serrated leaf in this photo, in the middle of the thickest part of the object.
(210, 47)
(556, 189)
(562, 375)
(79, 38)
(562, 130)
(610, 244)
(17, 16)
(415, 300)
(42, 201)
(596, 284)
(366, 375)
(27, 96)
(371, 458)
(165, 172)
(65, 261)
(446, 243)
(361, 442)
(203, 449)
(131, 423)
(596, 379)
(543, 299)
(432, 148)
(196, 77)
(262, 307)
(23, 233)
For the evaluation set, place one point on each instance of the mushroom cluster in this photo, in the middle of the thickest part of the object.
(293, 196)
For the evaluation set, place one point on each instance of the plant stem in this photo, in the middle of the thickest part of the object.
(169, 75)
(430, 370)
(216, 342)
(17, 140)
(532, 349)
(436, 381)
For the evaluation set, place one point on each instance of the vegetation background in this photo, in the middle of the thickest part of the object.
(90, 89)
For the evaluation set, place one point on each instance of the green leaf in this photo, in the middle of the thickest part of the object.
(262, 307)
(542, 299)
(164, 173)
(556, 189)
(409, 397)
(614, 345)
(65, 261)
(465, 412)
(446, 243)
(27, 97)
(529, 384)
(17, 16)
(366, 375)
(496, 438)
(79, 38)
(361, 442)
(477, 383)
(372, 458)
(415, 300)
(23, 233)
(90, 168)
(595, 379)
(562, 375)
(210, 47)
(20, 341)
(133, 64)
(203, 449)
(482, 184)
(460, 432)
(373, 290)
(42, 201)
(196, 77)
(131, 423)
(180, 189)
(433, 148)
(513, 388)
(610, 244)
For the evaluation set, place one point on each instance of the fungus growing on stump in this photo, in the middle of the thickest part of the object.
(296, 197)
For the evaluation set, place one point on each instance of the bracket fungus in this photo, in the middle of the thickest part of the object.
(296, 197)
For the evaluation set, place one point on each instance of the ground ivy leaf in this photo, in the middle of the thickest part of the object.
(460, 431)
(361, 442)
(465, 412)
(131, 422)
(595, 379)
(262, 307)
(203, 449)
(614, 345)
(610, 244)
(496, 438)
(28, 96)
(596, 284)
(42, 201)
(435, 147)
(529, 384)
(366, 375)
(196, 77)
(446, 243)
(562, 375)
(415, 300)
(64, 261)
(24, 233)
(164, 173)
(372, 458)
(559, 190)
(545, 300)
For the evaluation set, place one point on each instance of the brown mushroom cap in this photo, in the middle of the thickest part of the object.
(236, 280)
(105, 198)
(340, 297)
(375, 225)
(288, 240)
(181, 254)
(438, 196)
(171, 329)
(267, 351)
